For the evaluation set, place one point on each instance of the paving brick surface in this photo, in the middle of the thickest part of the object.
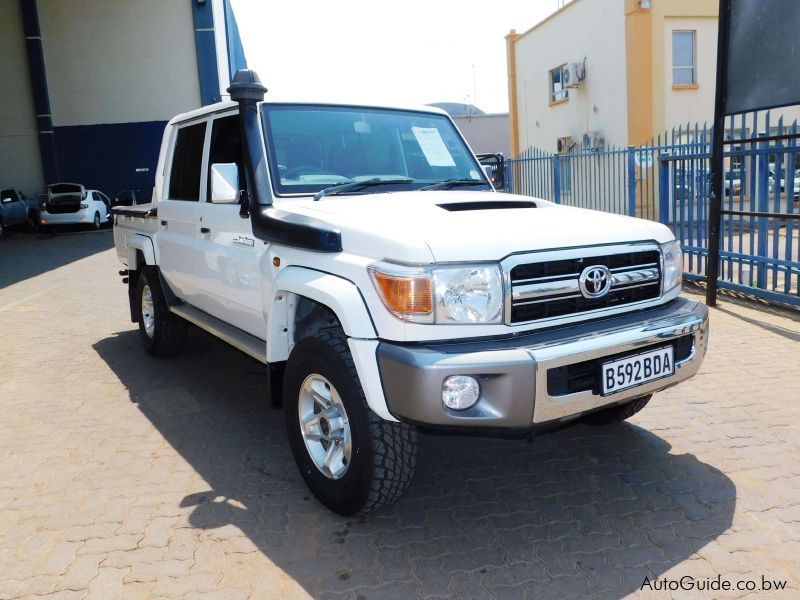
(126, 476)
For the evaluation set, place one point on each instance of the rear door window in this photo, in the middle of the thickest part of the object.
(187, 159)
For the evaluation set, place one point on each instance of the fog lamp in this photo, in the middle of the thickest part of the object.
(459, 392)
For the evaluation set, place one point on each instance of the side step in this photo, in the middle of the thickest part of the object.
(252, 346)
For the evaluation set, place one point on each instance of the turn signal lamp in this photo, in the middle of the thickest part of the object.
(409, 297)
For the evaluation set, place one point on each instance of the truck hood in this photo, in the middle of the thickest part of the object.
(461, 225)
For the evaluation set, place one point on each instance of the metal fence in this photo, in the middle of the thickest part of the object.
(668, 180)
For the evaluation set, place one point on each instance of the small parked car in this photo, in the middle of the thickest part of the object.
(72, 204)
(784, 176)
(17, 209)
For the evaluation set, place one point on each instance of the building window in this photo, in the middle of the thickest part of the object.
(684, 56)
(557, 90)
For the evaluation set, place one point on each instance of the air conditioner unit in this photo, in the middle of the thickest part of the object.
(573, 75)
(564, 144)
(593, 140)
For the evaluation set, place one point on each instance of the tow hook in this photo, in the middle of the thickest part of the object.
(124, 274)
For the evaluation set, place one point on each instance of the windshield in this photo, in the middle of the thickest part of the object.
(316, 147)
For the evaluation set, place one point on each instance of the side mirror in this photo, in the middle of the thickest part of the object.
(224, 183)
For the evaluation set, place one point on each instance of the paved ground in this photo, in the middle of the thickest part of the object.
(124, 476)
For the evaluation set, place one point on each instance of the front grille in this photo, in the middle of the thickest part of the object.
(585, 376)
(548, 289)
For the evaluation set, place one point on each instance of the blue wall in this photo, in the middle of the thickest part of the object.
(236, 57)
(105, 157)
(206, 52)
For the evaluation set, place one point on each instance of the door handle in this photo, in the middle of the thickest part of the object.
(205, 230)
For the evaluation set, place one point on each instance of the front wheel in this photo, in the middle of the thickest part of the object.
(352, 460)
(96, 221)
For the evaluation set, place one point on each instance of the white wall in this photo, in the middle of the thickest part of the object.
(119, 62)
(594, 29)
(691, 105)
(697, 105)
(20, 162)
(486, 133)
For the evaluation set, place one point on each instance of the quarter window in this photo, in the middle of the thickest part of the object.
(184, 179)
(684, 67)
(557, 90)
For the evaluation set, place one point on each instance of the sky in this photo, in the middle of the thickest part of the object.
(408, 52)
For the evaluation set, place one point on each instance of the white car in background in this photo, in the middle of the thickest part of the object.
(71, 204)
(784, 178)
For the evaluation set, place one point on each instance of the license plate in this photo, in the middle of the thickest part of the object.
(635, 370)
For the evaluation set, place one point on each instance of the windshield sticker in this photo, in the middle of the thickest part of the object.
(433, 147)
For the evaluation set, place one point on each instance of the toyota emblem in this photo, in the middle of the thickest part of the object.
(595, 281)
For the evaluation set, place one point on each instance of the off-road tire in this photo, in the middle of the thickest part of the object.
(616, 414)
(384, 453)
(169, 335)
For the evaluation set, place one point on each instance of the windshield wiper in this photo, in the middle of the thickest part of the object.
(450, 183)
(356, 185)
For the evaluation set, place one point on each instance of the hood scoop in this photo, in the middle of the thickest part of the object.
(486, 205)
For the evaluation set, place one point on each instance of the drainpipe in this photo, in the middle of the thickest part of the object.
(41, 97)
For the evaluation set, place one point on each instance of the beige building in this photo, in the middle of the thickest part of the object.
(647, 65)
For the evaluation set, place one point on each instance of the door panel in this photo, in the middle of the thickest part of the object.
(15, 211)
(230, 277)
(179, 244)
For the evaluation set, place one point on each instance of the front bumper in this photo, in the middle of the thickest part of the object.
(513, 371)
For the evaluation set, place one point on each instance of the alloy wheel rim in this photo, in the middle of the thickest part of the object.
(324, 426)
(148, 316)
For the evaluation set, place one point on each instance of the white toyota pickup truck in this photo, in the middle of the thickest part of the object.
(362, 254)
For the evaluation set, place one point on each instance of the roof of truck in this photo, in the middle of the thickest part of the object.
(229, 104)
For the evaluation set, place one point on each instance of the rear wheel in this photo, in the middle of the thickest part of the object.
(352, 460)
(2, 230)
(162, 333)
(616, 414)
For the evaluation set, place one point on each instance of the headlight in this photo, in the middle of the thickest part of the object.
(468, 294)
(463, 294)
(673, 265)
